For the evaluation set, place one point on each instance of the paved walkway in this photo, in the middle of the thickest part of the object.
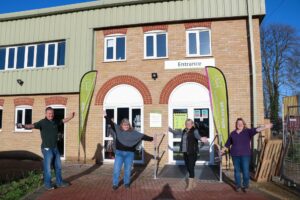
(94, 182)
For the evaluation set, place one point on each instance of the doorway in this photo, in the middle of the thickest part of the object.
(59, 114)
(190, 100)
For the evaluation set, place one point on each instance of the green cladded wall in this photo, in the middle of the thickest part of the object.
(76, 24)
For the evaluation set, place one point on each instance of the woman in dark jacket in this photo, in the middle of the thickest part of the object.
(126, 140)
(189, 148)
(239, 143)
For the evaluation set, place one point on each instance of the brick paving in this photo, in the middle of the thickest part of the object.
(94, 182)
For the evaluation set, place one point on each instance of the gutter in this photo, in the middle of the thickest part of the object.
(253, 68)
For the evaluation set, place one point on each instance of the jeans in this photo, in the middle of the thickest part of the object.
(121, 157)
(241, 164)
(51, 154)
(190, 162)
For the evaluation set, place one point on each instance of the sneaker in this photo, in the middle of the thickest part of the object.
(237, 189)
(49, 187)
(63, 184)
(127, 186)
(114, 187)
(245, 189)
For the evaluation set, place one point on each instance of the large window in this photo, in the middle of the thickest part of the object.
(115, 48)
(1, 114)
(23, 115)
(198, 42)
(155, 45)
(33, 56)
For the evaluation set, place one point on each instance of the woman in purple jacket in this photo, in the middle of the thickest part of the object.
(239, 143)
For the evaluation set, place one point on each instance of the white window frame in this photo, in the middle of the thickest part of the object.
(154, 34)
(46, 54)
(7, 58)
(197, 31)
(26, 56)
(23, 108)
(1, 108)
(114, 37)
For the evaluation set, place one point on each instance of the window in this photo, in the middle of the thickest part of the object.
(115, 48)
(33, 56)
(155, 45)
(23, 116)
(198, 42)
(2, 58)
(1, 113)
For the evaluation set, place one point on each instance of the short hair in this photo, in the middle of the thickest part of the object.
(242, 120)
(49, 108)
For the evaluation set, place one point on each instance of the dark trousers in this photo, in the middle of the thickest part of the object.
(190, 162)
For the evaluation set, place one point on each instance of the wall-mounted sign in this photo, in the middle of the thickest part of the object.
(155, 120)
(189, 64)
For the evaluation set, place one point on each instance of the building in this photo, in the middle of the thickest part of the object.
(150, 57)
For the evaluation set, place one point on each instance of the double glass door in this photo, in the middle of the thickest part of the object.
(201, 118)
(117, 114)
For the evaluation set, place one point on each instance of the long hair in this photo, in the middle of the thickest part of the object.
(126, 121)
(242, 120)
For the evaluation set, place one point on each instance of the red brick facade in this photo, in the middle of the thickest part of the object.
(182, 78)
(130, 80)
(115, 31)
(56, 100)
(197, 24)
(154, 28)
(1, 102)
(24, 101)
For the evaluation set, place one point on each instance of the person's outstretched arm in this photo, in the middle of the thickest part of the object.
(175, 132)
(65, 120)
(147, 138)
(264, 127)
(26, 126)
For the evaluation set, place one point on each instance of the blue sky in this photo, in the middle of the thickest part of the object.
(278, 11)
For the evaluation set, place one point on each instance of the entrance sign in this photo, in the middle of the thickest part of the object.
(87, 86)
(189, 64)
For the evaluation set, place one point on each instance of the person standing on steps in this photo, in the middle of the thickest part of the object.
(126, 140)
(189, 147)
(49, 135)
(239, 143)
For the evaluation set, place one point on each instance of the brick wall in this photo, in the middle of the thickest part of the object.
(31, 141)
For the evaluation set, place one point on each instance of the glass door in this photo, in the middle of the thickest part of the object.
(201, 117)
(134, 115)
(59, 114)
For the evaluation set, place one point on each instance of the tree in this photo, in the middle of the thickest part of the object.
(280, 50)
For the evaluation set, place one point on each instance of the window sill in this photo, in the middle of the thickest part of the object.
(22, 131)
(32, 69)
(199, 56)
(110, 61)
(157, 58)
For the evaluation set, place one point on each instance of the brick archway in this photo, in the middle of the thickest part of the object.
(23, 101)
(177, 80)
(129, 80)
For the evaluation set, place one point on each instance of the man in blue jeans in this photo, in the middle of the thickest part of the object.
(49, 135)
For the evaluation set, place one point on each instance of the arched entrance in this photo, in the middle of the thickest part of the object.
(123, 101)
(190, 100)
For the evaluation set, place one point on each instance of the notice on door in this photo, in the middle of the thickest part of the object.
(155, 120)
(179, 120)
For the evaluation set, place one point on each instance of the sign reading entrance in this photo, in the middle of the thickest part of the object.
(189, 64)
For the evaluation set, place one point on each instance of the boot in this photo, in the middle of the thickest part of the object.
(190, 184)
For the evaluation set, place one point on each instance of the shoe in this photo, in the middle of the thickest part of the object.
(49, 188)
(63, 184)
(190, 184)
(237, 189)
(127, 186)
(114, 187)
(245, 189)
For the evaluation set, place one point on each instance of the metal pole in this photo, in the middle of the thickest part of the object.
(155, 156)
(220, 157)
